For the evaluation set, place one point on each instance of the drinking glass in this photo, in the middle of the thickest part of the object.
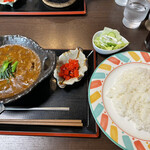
(121, 2)
(147, 41)
(135, 12)
(147, 23)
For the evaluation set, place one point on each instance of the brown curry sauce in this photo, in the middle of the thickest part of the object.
(27, 72)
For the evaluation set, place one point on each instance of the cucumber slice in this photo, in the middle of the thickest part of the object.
(111, 34)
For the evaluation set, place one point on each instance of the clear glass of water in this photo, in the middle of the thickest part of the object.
(147, 41)
(121, 2)
(135, 12)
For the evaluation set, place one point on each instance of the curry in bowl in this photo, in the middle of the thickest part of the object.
(20, 67)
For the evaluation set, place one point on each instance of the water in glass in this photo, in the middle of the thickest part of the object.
(134, 13)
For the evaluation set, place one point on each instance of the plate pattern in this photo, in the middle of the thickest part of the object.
(114, 133)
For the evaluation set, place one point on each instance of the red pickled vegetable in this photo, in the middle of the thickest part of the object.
(69, 70)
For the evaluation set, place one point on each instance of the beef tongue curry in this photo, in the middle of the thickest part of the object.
(19, 68)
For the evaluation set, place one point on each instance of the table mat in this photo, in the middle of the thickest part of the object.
(75, 97)
(37, 7)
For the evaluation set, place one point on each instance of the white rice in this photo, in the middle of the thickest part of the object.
(131, 96)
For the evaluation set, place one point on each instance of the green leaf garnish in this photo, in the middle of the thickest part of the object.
(5, 65)
(7, 69)
(14, 66)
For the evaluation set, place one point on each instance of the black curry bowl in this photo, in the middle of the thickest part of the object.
(47, 58)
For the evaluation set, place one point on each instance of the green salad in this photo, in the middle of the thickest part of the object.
(110, 39)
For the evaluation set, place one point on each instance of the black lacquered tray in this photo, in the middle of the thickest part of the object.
(37, 7)
(75, 97)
